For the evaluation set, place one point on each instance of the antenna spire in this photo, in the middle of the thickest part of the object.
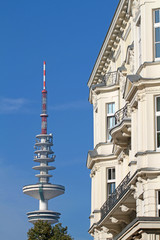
(44, 114)
(44, 75)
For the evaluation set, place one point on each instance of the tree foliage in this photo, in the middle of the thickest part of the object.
(44, 231)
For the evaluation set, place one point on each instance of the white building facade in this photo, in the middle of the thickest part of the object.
(124, 88)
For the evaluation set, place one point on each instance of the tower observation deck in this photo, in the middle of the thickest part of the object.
(43, 190)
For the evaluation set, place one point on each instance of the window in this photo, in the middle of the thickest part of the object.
(110, 119)
(110, 181)
(157, 110)
(158, 203)
(157, 33)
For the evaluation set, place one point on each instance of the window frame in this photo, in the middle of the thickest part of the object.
(155, 25)
(158, 203)
(157, 114)
(109, 116)
(111, 181)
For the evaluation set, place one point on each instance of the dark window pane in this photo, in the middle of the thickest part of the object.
(113, 173)
(113, 108)
(108, 122)
(111, 122)
(109, 174)
(157, 16)
(158, 104)
(110, 108)
(111, 188)
(158, 123)
(159, 213)
(157, 34)
(158, 197)
(158, 140)
(157, 50)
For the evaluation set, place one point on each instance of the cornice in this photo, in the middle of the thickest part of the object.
(143, 172)
(145, 64)
(94, 157)
(142, 83)
(104, 89)
(118, 24)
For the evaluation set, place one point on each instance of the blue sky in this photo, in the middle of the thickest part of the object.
(68, 36)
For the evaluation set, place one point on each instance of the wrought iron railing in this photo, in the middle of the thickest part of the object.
(115, 196)
(124, 112)
(111, 78)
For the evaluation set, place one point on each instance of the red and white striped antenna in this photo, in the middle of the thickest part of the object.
(44, 114)
(44, 75)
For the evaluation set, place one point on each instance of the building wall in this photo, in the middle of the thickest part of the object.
(128, 53)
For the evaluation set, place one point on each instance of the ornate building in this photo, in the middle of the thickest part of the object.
(124, 88)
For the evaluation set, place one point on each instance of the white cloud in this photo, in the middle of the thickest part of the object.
(11, 105)
(81, 104)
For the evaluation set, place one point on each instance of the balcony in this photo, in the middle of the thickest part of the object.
(119, 210)
(121, 132)
(111, 78)
(115, 196)
(123, 113)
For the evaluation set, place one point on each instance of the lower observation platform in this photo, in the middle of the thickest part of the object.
(49, 216)
(46, 190)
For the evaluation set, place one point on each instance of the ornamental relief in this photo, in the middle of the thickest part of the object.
(141, 97)
(139, 187)
(131, 60)
(94, 170)
(122, 81)
(135, 7)
(136, 4)
(123, 155)
(130, 57)
(94, 100)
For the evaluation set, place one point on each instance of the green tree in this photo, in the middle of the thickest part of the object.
(44, 231)
(60, 233)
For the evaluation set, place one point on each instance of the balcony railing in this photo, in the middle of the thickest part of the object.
(111, 78)
(115, 196)
(124, 112)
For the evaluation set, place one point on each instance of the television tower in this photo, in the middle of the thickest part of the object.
(43, 190)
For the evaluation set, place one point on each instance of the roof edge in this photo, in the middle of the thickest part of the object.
(105, 42)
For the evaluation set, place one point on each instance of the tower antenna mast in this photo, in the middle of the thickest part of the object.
(43, 190)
